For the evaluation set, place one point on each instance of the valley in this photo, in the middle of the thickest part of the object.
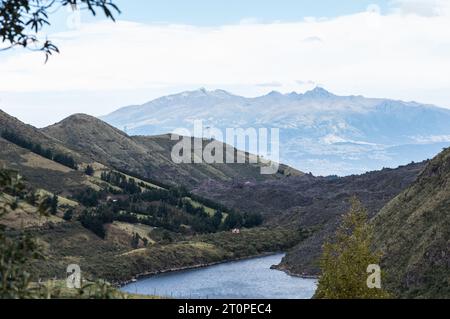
(118, 225)
(124, 209)
(224, 150)
(314, 203)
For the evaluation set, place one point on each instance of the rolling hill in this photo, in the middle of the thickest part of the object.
(9, 123)
(113, 225)
(149, 157)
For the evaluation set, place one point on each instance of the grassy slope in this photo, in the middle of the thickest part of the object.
(34, 135)
(116, 261)
(40, 172)
(63, 292)
(414, 232)
(114, 258)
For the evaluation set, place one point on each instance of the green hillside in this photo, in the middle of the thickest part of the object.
(413, 230)
(120, 225)
(149, 157)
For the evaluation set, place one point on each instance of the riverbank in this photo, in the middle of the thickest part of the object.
(290, 273)
(106, 259)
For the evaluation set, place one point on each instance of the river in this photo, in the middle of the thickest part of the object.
(245, 279)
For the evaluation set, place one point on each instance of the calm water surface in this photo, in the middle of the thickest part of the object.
(245, 279)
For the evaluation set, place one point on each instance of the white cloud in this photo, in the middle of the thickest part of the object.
(421, 7)
(432, 139)
(395, 55)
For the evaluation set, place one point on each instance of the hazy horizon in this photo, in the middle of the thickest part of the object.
(40, 123)
(392, 49)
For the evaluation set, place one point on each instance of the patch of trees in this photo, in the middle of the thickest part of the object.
(128, 185)
(152, 195)
(251, 220)
(209, 203)
(95, 219)
(89, 197)
(68, 215)
(89, 170)
(165, 216)
(126, 217)
(145, 179)
(233, 220)
(65, 160)
(246, 220)
(38, 149)
(187, 219)
(174, 209)
(171, 211)
(179, 191)
(200, 220)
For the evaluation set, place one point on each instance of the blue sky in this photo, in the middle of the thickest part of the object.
(214, 12)
(397, 49)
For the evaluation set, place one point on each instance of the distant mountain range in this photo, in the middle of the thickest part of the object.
(320, 132)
